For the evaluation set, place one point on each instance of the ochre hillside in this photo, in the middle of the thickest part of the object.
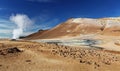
(77, 26)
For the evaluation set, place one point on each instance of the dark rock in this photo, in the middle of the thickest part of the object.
(13, 50)
(13, 39)
(28, 60)
(9, 50)
(82, 61)
(89, 63)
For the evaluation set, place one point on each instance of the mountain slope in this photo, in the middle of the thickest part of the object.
(77, 26)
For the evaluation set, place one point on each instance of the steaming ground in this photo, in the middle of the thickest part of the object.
(22, 23)
(87, 41)
(24, 55)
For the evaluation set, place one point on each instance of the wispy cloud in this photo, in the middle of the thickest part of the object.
(6, 24)
(2, 8)
(44, 21)
(40, 0)
(5, 28)
(5, 31)
(28, 33)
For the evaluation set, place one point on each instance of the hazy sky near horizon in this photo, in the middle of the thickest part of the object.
(48, 13)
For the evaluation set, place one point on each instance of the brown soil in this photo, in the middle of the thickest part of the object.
(31, 56)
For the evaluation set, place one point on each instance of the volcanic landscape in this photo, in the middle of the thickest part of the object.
(78, 44)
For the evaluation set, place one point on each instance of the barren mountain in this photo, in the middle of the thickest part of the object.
(77, 26)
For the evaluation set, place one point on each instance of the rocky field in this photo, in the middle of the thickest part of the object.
(24, 55)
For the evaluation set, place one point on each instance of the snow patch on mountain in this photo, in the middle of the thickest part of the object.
(108, 22)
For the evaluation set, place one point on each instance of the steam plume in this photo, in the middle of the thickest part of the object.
(22, 21)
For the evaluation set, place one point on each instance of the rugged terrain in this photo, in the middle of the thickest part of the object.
(24, 55)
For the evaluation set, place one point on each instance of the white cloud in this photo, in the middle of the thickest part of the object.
(6, 24)
(6, 28)
(40, 0)
(5, 31)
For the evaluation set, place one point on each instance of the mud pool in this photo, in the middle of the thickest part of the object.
(73, 42)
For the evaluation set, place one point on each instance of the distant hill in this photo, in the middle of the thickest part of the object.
(76, 26)
(35, 35)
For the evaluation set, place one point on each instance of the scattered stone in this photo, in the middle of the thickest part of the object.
(89, 63)
(13, 50)
(82, 61)
(10, 50)
(96, 64)
(87, 56)
(117, 42)
(107, 63)
(0, 65)
(28, 60)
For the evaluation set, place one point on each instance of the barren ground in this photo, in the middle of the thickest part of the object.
(32, 56)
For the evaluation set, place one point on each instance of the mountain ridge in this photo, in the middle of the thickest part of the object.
(76, 26)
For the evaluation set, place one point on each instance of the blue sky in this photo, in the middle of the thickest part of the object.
(48, 13)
